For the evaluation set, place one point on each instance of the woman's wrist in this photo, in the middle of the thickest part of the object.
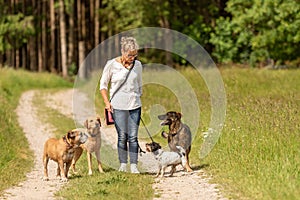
(107, 104)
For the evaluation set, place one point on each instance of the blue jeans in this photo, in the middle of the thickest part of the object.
(127, 125)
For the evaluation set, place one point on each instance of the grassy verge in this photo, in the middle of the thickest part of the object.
(258, 155)
(15, 158)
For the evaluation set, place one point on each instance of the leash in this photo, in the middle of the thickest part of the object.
(147, 130)
(141, 150)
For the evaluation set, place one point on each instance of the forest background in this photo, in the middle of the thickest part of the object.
(57, 35)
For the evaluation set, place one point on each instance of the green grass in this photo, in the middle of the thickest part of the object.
(256, 157)
(258, 154)
(15, 158)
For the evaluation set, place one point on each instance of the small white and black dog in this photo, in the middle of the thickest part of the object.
(167, 158)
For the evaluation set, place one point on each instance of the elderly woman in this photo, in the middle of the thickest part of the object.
(124, 73)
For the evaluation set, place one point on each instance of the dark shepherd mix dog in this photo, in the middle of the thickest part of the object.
(179, 134)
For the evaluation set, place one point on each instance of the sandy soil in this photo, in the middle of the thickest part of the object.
(182, 185)
(37, 133)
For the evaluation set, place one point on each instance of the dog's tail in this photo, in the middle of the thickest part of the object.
(182, 153)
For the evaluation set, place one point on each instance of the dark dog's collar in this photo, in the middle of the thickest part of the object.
(92, 134)
(175, 133)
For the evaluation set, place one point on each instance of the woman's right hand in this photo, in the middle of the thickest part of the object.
(108, 106)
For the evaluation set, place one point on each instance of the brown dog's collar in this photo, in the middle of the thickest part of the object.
(66, 141)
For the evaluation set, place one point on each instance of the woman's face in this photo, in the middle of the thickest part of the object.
(129, 56)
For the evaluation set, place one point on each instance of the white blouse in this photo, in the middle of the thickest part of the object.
(128, 96)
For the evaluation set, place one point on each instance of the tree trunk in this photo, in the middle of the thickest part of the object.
(17, 58)
(23, 49)
(24, 57)
(169, 44)
(31, 48)
(117, 45)
(168, 40)
(81, 36)
(39, 39)
(83, 25)
(91, 26)
(52, 44)
(63, 41)
(71, 48)
(44, 36)
(81, 70)
(96, 34)
(97, 24)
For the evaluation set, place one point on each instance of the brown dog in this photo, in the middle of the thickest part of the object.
(62, 151)
(93, 144)
(179, 134)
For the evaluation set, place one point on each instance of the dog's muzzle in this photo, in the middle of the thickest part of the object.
(83, 138)
(165, 119)
(162, 117)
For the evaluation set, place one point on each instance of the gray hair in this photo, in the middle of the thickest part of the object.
(128, 44)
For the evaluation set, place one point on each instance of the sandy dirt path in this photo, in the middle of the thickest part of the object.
(36, 133)
(181, 186)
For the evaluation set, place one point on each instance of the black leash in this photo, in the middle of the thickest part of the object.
(147, 130)
(141, 151)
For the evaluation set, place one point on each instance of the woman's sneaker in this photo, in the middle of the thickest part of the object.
(134, 169)
(123, 167)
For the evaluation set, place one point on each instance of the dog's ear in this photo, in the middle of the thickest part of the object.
(178, 115)
(86, 123)
(71, 134)
(98, 119)
(164, 134)
(156, 146)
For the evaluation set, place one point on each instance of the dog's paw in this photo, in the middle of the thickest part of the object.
(73, 172)
(164, 134)
(156, 175)
(188, 169)
(162, 176)
(63, 180)
(45, 179)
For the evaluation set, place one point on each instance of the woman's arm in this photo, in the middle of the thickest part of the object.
(105, 99)
(140, 84)
(104, 81)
